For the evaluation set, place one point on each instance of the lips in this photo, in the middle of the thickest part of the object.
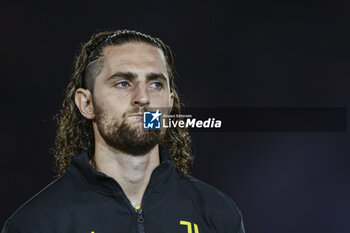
(135, 114)
(137, 117)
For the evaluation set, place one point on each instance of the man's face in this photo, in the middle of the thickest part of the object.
(134, 79)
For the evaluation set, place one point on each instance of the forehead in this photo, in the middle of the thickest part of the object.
(134, 57)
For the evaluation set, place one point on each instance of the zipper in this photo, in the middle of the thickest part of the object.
(139, 212)
(140, 221)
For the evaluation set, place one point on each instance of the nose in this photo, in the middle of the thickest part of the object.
(141, 96)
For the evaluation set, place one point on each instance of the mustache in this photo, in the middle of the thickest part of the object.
(138, 111)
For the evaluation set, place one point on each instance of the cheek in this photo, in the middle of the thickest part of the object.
(160, 100)
(114, 107)
(114, 103)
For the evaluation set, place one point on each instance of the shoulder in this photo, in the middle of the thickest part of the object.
(54, 196)
(211, 202)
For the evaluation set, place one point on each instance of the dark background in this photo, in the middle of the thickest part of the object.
(247, 54)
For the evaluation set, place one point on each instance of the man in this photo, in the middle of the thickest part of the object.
(116, 176)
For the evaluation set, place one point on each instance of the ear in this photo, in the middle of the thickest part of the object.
(83, 100)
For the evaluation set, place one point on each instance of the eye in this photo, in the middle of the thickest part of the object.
(123, 84)
(156, 85)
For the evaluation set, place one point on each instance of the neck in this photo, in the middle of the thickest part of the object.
(132, 172)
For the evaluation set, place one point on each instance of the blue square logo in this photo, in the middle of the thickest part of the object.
(151, 120)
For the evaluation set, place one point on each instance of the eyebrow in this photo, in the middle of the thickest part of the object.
(132, 76)
(153, 76)
(126, 75)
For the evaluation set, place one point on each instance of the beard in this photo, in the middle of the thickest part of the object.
(130, 138)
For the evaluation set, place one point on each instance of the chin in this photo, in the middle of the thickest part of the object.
(138, 129)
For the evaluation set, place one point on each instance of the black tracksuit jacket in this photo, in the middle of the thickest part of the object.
(86, 201)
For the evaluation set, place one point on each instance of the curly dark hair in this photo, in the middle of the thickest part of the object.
(75, 132)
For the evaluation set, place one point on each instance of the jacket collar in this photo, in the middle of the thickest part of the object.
(81, 169)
